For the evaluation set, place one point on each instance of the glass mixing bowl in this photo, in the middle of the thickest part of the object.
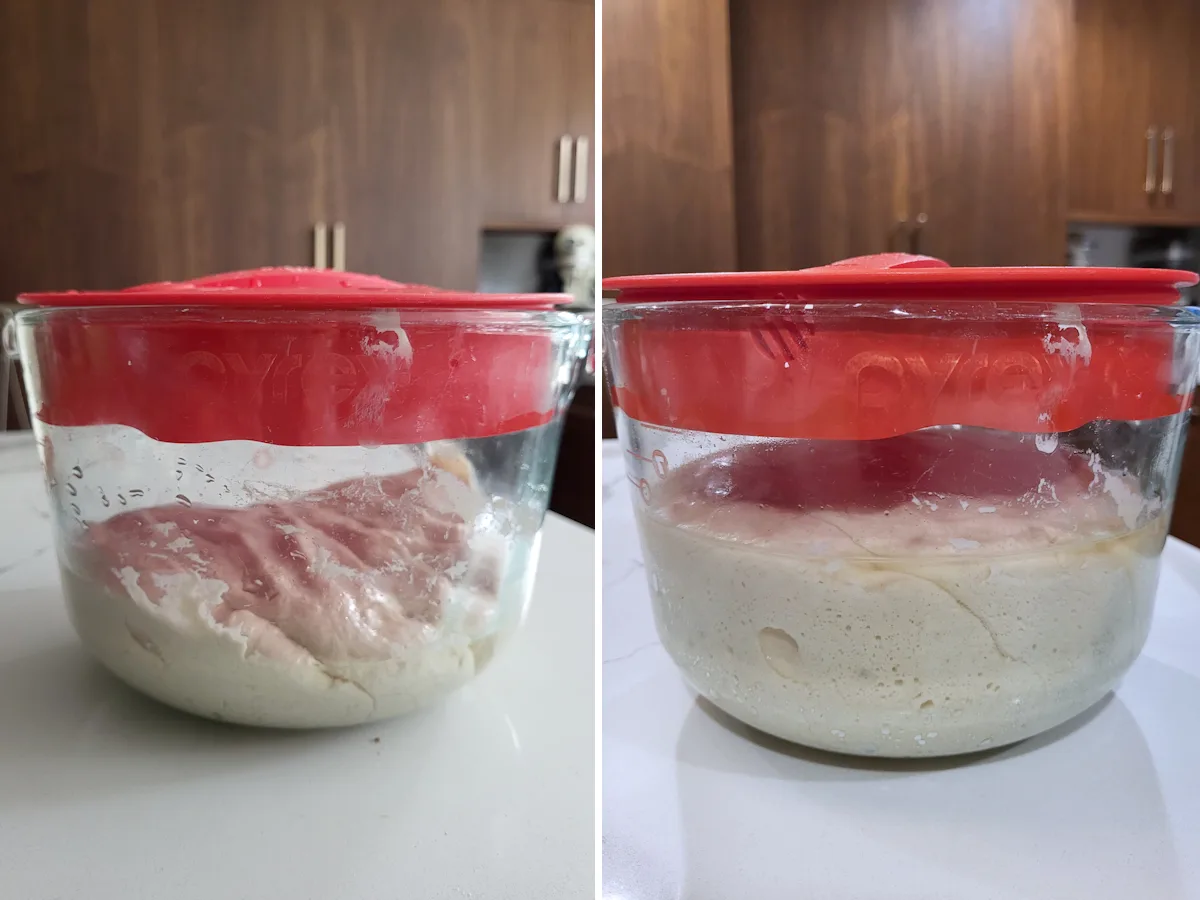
(293, 498)
(890, 507)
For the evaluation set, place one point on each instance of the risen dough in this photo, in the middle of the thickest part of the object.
(866, 623)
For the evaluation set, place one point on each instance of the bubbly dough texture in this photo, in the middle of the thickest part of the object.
(357, 602)
(944, 624)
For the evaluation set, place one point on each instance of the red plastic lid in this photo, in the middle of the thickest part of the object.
(903, 275)
(250, 356)
(293, 287)
(815, 370)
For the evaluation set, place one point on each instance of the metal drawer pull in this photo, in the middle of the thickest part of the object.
(1151, 159)
(1167, 185)
(564, 169)
(581, 169)
(339, 246)
(914, 242)
(320, 246)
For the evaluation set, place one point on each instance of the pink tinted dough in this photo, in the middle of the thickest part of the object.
(350, 572)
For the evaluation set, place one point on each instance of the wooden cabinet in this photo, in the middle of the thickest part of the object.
(823, 120)
(402, 137)
(536, 108)
(574, 492)
(990, 87)
(926, 125)
(1185, 519)
(1176, 108)
(581, 116)
(1135, 125)
(147, 140)
(668, 152)
(157, 140)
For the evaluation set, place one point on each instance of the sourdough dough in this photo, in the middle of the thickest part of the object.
(860, 615)
(356, 602)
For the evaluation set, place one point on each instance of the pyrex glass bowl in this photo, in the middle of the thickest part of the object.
(297, 517)
(902, 527)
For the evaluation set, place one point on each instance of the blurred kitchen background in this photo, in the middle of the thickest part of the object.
(780, 134)
(447, 143)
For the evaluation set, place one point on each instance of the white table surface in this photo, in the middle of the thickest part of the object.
(107, 796)
(695, 808)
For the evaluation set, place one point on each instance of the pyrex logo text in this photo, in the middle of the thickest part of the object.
(276, 377)
(880, 380)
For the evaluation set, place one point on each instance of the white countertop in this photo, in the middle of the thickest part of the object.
(697, 808)
(107, 796)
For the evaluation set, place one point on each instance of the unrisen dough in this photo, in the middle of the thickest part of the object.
(900, 630)
(358, 602)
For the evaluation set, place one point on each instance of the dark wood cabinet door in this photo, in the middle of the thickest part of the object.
(69, 172)
(1175, 107)
(581, 108)
(150, 140)
(1115, 77)
(232, 135)
(822, 118)
(1185, 518)
(574, 490)
(990, 89)
(403, 138)
(668, 154)
(524, 101)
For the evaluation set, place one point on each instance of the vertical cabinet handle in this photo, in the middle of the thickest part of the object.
(1167, 184)
(581, 169)
(1151, 159)
(564, 169)
(320, 246)
(339, 246)
(914, 240)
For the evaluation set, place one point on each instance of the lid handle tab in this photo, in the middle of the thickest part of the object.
(877, 262)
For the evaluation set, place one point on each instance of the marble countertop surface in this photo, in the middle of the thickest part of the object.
(696, 807)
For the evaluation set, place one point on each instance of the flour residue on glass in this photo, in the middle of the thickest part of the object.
(387, 324)
(1073, 348)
